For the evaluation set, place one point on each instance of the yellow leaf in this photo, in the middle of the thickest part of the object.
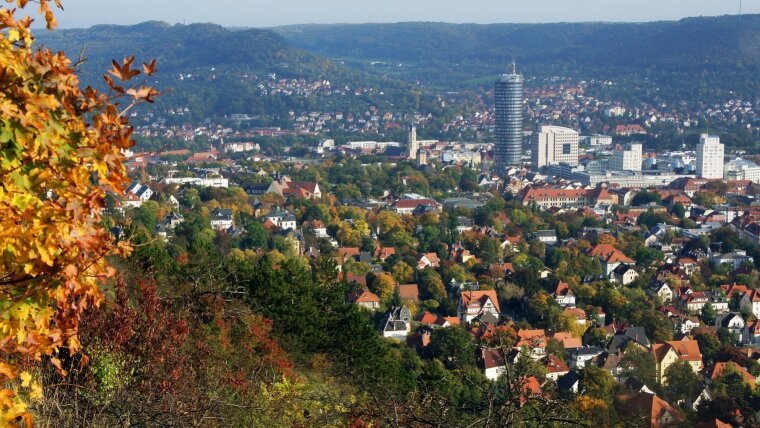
(26, 379)
(36, 391)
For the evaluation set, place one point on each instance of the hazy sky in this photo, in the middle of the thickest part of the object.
(257, 13)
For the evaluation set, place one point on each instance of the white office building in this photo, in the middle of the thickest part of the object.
(553, 145)
(741, 169)
(709, 157)
(596, 140)
(628, 159)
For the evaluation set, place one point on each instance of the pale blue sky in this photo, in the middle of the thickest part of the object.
(257, 13)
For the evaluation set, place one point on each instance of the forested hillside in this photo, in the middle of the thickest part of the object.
(214, 71)
(693, 54)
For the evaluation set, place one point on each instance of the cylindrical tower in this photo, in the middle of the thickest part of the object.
(508, 96)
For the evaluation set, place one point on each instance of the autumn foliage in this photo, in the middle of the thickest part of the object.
(165, 361)
(60, 154)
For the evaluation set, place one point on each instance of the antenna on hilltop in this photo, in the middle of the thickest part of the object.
(740, 8)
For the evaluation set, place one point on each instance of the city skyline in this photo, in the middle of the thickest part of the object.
(234, 13)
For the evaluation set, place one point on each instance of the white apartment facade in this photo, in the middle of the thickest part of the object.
(709, 157)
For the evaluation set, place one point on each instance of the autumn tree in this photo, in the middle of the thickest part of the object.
(383, 285)
(60, 156)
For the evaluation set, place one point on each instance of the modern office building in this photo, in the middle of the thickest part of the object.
(628, 159)
(709, 157)
(552, 145)
(741, 169)
(508, 96)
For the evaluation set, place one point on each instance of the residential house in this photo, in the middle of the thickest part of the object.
(398, 323)
(688, 351)
(664, 356)
(294, 189)
(511, 244)
(685, 324)
(460, 254)
(172, 220)
(733, 260)
(750, 301)
(534, 341)
(580, 356)
(650, 408)
(436, 321)
(555, 367)
(568, 341)
(733, 322)
(663, 290)
(576, 314)
(548, 237)
(624, 274)
(474, 303)
(365, 298)
(631, 336)
(383, 253)
(667, 353)
(753, 333)
(564, 295)
(491, 362)
(282, 219)
(610, 257)
(428, 260)
(318, 227)
(222, 219)
(694, 301)
(136, 194)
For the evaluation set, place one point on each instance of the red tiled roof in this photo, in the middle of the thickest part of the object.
(408, 292)
(652, 406)
(531, 338)
(720, 367)
(609, 254)
(363, 296)
(687, 350)
(555, 364)
(470, 297)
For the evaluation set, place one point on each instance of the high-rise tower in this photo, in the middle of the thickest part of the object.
(709, 157)
(508, 96)
(411, 144)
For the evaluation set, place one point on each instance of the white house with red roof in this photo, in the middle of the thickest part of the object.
(428, 260)
(492, 363)
(610, 257)
(365, 298)
(475, 303)
(564, 295)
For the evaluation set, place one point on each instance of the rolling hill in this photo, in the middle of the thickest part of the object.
(699, 56)
(215, 71)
